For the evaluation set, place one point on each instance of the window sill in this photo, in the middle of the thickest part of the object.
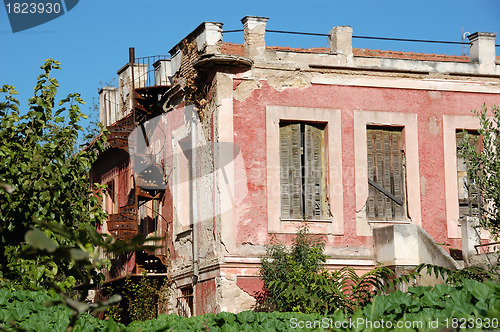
(389, 222)
(308, 221)
(185, 231)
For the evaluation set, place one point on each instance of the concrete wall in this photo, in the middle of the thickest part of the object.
(408, 245)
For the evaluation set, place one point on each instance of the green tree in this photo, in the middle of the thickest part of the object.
(45, 176)
(483, 167)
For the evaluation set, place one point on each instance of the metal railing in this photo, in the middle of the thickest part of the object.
(363, 37)
(152, 71)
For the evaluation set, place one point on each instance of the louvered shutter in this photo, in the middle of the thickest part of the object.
(290, 174)
(314, 173)
(386, 175)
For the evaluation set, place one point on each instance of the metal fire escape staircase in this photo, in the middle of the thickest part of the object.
(150, 183)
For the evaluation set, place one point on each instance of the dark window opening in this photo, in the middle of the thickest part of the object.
(185, 302)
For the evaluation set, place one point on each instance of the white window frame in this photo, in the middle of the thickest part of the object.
(362, 119)
(452, 123)
(333, 141)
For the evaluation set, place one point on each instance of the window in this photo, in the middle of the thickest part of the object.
(185, 302)
(468, 202)
(328, 121)
(386, 174)
(302, 171)
(111, 201)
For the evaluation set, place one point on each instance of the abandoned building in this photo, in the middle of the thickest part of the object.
(218, 145)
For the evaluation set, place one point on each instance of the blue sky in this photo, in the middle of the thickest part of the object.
(92, 40)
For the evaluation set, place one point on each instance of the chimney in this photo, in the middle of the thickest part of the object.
(108, 105)
(482, 48)
(341, 40)
(209, 37)
(255, 30)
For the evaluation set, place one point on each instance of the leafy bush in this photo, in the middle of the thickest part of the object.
(282, 263)
(45, 177)
(454, 277)
(226, 322)
(37, 311)
(140, 299)
(328, 291)
(465, 303)
(295, 280)
(48, 211)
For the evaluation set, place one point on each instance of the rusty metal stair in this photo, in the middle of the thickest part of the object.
(124, 225)
(149, 263)
(119, 132)
(146, 100)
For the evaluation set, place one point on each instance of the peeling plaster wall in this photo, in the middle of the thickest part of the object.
(206, 294)
(232, 242)
(232, 109)
(429, 105)
(231, 298)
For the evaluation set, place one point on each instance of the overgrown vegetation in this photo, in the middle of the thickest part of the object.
(296, 280)
(141, 299)
(454, 277)
(48, 212)
(34, 311)
(280, 263)
(473, 305)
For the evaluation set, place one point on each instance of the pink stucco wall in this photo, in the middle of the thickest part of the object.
(430, 106)
(205, 293)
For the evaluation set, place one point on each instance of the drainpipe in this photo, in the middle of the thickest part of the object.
(131, 61)
(194, 202)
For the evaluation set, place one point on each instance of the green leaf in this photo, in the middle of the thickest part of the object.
(78, 254)
(38, 240)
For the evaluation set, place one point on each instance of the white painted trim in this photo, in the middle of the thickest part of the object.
(332, 119)
(225, 130)
(404, 83)
(452, 123)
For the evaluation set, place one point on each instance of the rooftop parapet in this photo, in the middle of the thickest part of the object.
(482, 49)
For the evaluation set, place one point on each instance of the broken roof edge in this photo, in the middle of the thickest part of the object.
(195, 33)
(208, 39)
(238, 49)
(208, 61)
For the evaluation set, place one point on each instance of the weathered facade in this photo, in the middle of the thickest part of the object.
(250, 140)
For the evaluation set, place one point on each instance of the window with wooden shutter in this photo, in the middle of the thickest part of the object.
(468, 201)
(386, 175)
(302, 161)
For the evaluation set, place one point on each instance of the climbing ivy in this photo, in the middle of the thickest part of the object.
(142, 298)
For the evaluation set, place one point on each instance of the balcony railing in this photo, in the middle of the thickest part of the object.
(155, 71)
